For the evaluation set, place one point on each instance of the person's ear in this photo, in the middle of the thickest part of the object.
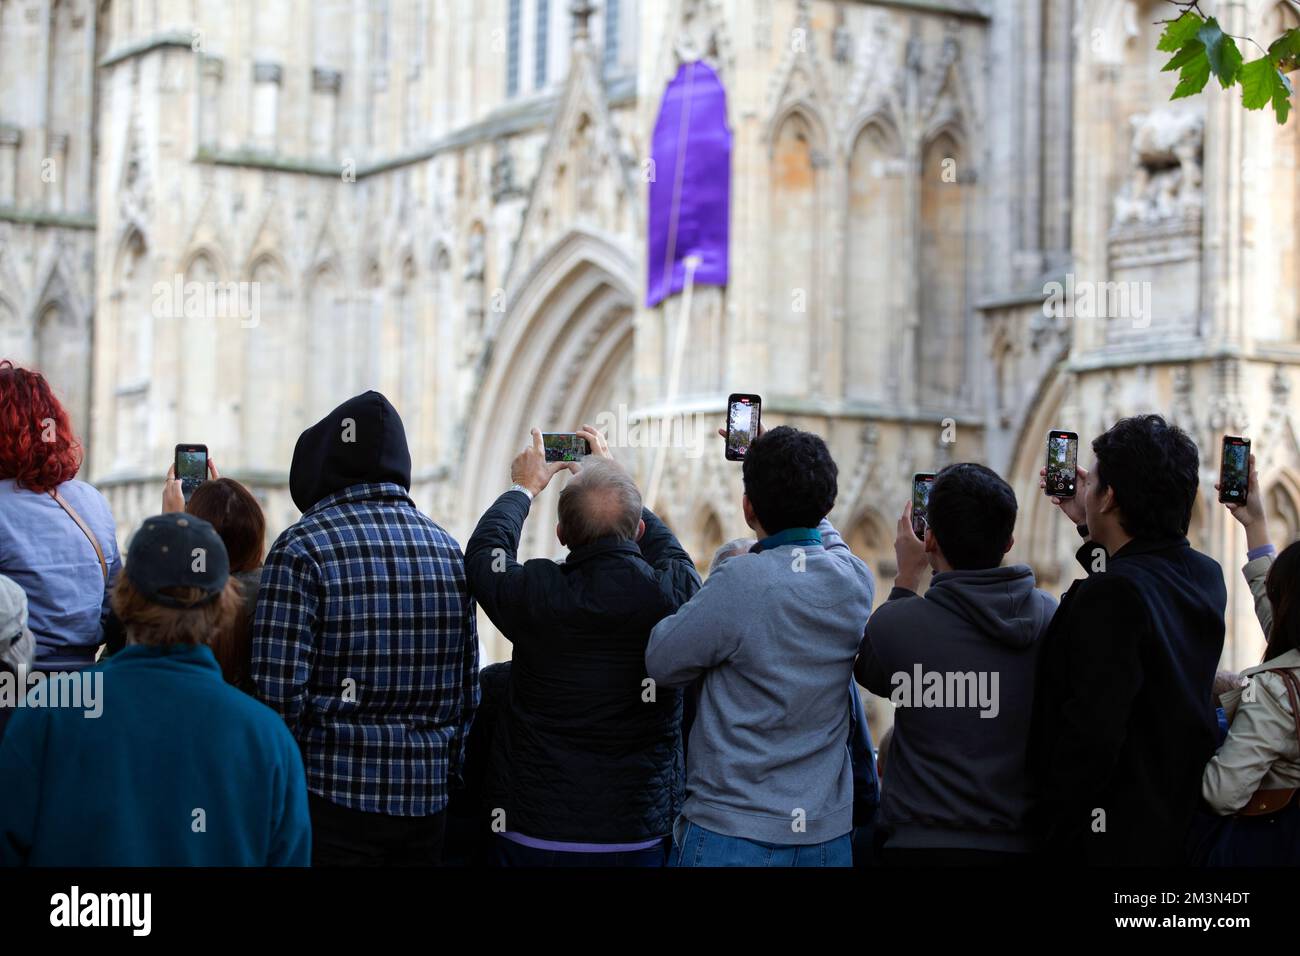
(931, 542)
(748, 510)
(559, 534)
(1011, 543)
(640, 529)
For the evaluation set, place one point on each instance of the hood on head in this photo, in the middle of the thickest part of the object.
(360, 442)
(1002, 603)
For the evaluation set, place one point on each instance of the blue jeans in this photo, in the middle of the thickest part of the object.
(697, 846)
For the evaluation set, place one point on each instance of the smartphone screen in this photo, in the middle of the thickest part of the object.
(1062, 464)
(743, 413)
(922, 482)
(565, 446)
(191, 467)
(1234, 477)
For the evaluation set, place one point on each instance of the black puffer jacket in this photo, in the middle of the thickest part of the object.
(580, 752)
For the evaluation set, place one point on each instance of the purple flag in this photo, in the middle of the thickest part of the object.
(690, 196)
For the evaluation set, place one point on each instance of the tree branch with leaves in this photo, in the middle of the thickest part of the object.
(1202, 49)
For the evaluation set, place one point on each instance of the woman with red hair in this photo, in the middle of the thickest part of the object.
(57, 537)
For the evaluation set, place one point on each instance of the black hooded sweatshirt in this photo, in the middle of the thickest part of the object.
(957, 777)
(360, 442)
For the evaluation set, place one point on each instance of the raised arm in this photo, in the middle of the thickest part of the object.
(674, 566)
(493, 573)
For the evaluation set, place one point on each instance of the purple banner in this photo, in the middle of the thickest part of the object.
(690, 195)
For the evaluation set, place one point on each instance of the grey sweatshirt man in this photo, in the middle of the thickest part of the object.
(959, 666)
(773, 634)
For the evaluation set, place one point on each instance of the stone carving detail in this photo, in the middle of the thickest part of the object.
(1165, 175)
(504, 185)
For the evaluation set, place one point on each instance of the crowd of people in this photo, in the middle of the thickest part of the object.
(322, 703)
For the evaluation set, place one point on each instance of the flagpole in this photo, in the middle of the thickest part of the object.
(692, 263)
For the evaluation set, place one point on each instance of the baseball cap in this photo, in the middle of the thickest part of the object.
(177, 550)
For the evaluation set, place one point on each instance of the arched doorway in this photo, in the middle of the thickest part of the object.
(560, 355)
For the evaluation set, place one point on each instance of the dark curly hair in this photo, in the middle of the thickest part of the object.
(1154, 469)
(790, 479)
(972, 513)
(1281, 586)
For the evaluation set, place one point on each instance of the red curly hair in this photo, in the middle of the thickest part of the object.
(27, 409)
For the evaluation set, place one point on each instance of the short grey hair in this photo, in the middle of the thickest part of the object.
(729, 550)
(602, 501)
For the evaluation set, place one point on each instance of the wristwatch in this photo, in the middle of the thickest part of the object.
(518, 487)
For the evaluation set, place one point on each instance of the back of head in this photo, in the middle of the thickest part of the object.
(729, 550)
(176, 586)
(790, 479)
(1282, 587)
(231, 508)
(37, 446)
(360, 442)
(1154, 469)
(601, 501)
(972, 513)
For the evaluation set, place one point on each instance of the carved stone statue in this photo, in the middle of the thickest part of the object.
(1165, 179)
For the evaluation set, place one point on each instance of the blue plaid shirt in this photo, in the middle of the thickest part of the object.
(365, 641)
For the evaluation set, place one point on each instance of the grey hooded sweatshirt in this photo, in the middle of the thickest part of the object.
(959, 665)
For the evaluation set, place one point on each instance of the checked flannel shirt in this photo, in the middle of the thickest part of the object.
(365, 641)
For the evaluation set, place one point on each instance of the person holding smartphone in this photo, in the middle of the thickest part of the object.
(585, 766)
(980, 618)
(1260, 550)
(771, 638)
(1123, 725)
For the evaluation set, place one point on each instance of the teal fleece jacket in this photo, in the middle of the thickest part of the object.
(178, 769)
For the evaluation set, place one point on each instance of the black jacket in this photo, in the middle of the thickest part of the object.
(581, 753)
(1124, 723)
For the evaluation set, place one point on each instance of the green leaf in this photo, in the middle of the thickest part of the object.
(1287, 45)
(1222, 52)
(1282, 99)
(1178, 33)
(1184, 56)
(1258, 82)
(1196, 73)
(1285, 51)
(1263, 84)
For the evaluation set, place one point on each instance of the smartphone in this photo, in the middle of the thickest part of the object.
(191, 467)
(565, 446)
(1234, 474)
(1062, 464)
(743, 412)
(922, 482)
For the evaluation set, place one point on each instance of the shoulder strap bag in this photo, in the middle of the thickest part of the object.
(85, 529)
(1266, 802)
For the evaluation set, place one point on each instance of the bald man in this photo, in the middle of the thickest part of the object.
(586, 767)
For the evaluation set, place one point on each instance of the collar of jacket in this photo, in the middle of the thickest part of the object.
(196, 655)
(1136, 546)
(1150, 545)
(366, 491)
(809, 536)
(610, 544)
(1291, 659)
